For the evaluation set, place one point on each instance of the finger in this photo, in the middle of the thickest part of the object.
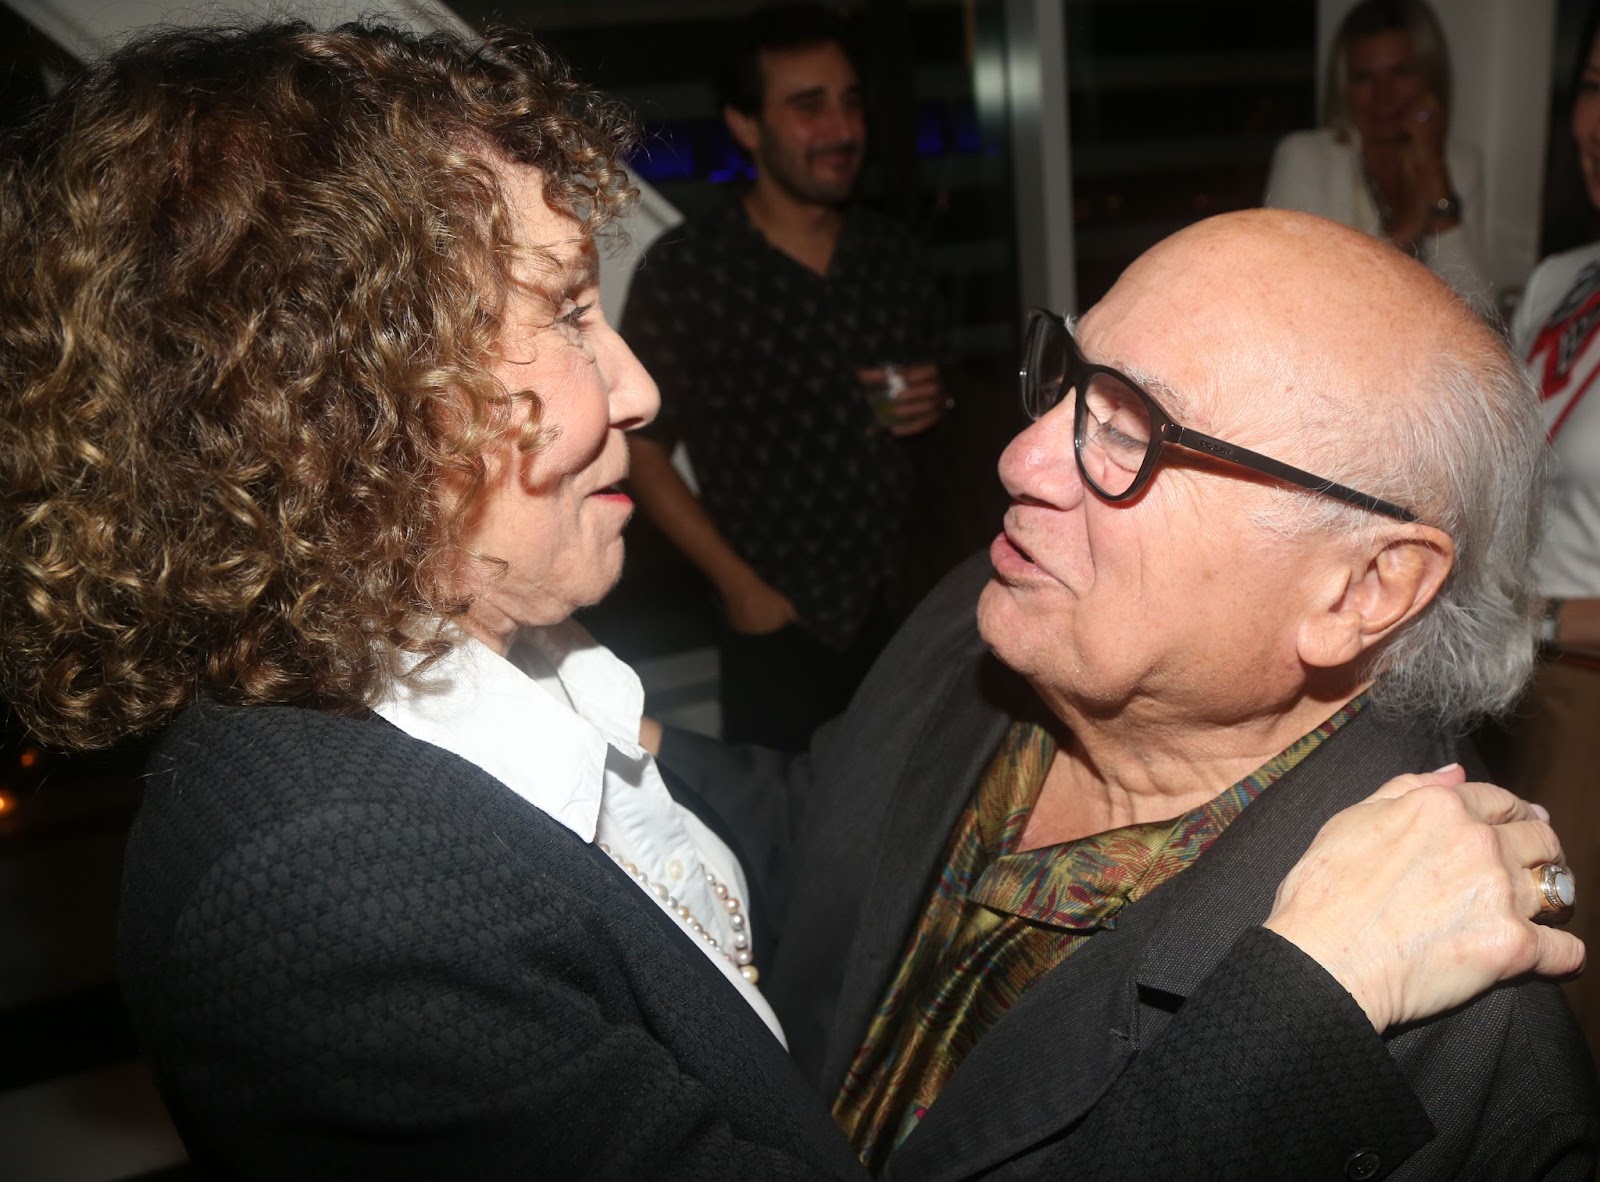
(1448, 776)
(1558, 953)
(1494, 805)
(915, 399)
(922, 371)
(913, 426)
(1524, 845)
(906, 413)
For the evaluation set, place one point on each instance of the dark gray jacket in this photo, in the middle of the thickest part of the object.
(1251, 1062)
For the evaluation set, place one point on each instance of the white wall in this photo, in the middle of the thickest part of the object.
(1500, 54)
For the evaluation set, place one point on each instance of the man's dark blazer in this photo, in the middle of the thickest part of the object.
(844, 843)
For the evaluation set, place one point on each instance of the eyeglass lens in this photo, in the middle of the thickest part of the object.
(1116, 428)
(1045, 366)
(1115, 436)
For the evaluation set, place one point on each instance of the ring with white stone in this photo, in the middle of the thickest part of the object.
(1557, 889)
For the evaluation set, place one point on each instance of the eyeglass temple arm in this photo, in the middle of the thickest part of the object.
(1198, 441)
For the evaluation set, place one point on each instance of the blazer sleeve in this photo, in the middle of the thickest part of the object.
(1269, 1070)
(354, 1014)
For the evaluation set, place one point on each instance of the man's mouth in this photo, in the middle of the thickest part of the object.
(838, 154)
(1011, 560)
(1022, 551)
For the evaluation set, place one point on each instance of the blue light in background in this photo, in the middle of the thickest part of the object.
(684, 149)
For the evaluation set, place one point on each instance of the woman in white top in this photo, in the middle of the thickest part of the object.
(1557, 330)
(313, 435)
(1384, 163)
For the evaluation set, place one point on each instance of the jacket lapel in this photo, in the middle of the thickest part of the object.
(1233, 887)
(1044, 1065)
(936, 784)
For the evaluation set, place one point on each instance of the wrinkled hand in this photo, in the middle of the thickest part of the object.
(1420, 897)
(920, 404)
(756, 608)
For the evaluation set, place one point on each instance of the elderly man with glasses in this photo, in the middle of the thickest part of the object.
(1266, 550)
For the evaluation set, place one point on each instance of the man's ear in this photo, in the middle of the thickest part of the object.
(1375, 593)
(745, 129)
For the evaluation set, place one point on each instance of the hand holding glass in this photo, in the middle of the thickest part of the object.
(906, 398)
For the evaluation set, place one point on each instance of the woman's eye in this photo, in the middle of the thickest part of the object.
(577, 317)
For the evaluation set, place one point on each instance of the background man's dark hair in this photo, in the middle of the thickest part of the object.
(774, 28)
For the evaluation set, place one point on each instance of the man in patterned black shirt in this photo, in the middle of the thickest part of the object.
(763, 323)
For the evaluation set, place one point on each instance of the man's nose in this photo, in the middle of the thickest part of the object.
(842, 123)
(1040, 464)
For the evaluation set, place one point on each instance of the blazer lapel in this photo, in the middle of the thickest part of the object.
(1233, 886)
(1038, 1070)
(1044, 1065)
(943, 767)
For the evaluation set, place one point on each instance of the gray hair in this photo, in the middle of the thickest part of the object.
(1469, 458)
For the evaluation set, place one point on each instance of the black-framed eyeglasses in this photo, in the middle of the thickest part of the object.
(1120, 431)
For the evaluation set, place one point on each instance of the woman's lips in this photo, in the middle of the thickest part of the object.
(614, 495)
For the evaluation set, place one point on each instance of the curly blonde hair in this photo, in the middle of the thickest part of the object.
(249, 283)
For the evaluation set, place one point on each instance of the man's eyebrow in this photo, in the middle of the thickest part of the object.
(805, 96)
(1172, 399)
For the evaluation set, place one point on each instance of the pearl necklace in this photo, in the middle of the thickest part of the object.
(739, 955)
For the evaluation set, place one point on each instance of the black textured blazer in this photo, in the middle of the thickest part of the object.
(1217, 1049)
(350, 954)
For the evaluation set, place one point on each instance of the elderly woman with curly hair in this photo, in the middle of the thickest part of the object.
(313, 435)
(311, 444)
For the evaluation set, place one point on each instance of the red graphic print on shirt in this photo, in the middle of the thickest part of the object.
(1562, 341)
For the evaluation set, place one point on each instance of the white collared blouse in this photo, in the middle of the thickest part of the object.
(558, 724)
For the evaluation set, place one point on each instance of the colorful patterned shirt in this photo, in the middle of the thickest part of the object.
(999, 918)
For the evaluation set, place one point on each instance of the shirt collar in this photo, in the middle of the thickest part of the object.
(486, 709)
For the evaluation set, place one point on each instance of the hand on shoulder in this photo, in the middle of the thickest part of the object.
(1423, 896)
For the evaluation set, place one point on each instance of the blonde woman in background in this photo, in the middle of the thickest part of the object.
(1383, 161)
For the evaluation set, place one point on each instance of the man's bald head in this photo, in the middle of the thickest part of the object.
(1337, 353)
(1324, 339)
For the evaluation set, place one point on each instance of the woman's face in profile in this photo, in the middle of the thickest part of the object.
(1385, 86)
(555, 515)
(1586, 122)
